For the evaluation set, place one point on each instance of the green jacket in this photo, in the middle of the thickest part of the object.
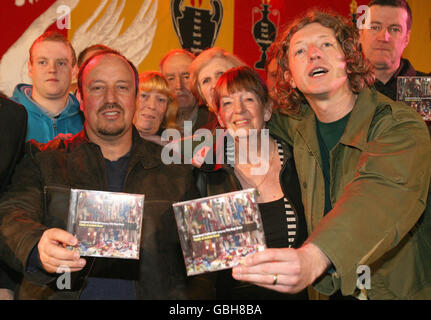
(380, 177)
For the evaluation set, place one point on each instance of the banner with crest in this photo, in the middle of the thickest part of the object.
(144, 30)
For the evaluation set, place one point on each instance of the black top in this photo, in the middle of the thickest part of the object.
(389, 89)
(328, 135)
(274, 225)
(102, 284)
(13, 126)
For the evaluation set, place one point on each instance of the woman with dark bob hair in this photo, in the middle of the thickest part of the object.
(364, 169)
(243, 106)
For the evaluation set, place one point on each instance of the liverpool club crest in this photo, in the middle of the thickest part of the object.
(197, 28)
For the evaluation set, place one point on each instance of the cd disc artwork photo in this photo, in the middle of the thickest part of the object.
(218, 232)
(106, 224)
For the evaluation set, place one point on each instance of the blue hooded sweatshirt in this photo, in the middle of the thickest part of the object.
(42, 126)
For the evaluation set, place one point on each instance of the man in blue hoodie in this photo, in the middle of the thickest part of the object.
(51, 108)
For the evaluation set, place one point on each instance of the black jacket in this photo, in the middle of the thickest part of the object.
(33, 204)
(13, 127)
(389, 89)
(13, 124)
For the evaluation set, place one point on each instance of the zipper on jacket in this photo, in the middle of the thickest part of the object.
(54, 126)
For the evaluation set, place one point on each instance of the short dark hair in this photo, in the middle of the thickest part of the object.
(55, 37)
(396, 4)
(241, 78)
(105, 52)
(94, 47)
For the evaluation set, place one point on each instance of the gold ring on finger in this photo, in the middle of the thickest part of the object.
(274, 281)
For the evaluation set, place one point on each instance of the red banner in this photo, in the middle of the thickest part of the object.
(144, 30)
(254, 17)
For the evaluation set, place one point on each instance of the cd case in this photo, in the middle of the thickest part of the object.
(416, 92)
(106, 224)
(218, 232)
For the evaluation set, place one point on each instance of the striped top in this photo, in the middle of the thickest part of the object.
(289, 217)
(291, 221)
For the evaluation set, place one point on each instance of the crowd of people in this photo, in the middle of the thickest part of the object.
(347, 167)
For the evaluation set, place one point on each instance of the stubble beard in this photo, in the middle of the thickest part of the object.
(111, 130)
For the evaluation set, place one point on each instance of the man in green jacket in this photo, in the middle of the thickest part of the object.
(364, 169)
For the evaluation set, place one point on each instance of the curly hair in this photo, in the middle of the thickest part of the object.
(359, 70)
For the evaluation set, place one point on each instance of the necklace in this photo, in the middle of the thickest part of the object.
(246, 180)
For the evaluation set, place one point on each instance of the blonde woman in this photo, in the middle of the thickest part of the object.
(156, 107)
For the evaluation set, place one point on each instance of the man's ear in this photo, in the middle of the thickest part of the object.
(289, 79)
(30, 69)
(80, 100)
(75, 71)
(407, 40)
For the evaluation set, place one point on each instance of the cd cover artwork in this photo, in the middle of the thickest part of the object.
(416, 92)
(106, 224)
(217, 232)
